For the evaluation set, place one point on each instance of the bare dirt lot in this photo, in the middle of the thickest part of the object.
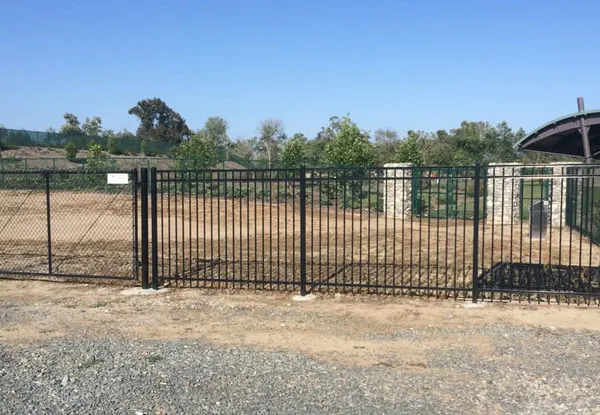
(89, 349)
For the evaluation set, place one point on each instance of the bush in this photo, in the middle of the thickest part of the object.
(71, 151)
(111, 144)
(97, 158)
(376, 203)
(144, 147)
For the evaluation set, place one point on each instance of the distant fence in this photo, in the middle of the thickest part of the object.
(14, 138)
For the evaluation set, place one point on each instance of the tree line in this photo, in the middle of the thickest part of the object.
(341, 142)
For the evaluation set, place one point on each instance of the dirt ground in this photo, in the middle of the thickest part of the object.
(92, 233)
(345, 329)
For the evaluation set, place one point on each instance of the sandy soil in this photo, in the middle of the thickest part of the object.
(347, 329)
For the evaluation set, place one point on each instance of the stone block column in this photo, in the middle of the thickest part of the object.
(397, 194)
(503, 193)
(558, 192)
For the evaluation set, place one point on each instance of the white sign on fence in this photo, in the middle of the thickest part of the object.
(117, 178)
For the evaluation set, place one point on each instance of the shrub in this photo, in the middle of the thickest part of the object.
(71, 151)
(97, 158)
(144, 147)
(376, 203)
(111, 144)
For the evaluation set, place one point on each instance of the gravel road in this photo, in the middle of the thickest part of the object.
(89, 350)
(180, 377)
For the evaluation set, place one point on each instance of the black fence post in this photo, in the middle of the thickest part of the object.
(134, 197)
(475, 283)
(303, 231)
(154, 224)
(144, 196)
(48, 225)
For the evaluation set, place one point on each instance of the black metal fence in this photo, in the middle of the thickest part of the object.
(357, 230)
(68, 224)
(457, 232)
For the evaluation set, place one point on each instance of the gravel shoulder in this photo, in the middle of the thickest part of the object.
(73, 348)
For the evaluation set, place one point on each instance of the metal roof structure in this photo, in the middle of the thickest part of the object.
(575, 134)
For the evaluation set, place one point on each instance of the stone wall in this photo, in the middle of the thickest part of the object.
(397, 194)
(503, 193)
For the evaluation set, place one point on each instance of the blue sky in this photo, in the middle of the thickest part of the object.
(422, 65)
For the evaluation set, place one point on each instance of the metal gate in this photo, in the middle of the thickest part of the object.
(69, 224)
(445, 192)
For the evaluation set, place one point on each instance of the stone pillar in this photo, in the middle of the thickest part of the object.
(558, 192)
(503, 193)
(397, 194)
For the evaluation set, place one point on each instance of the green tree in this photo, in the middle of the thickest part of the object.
(198, 152)
(350, 146)
(159, 122)
(125, 134)
(216, 129)
(243, 150)
(92, 127)
(71, 151)
(436, 151)
(97, 158)
(386, 144)
(409, 150)
(111, 144)
(293, 154)
(71, 125)
(269, 140)
(144, 147)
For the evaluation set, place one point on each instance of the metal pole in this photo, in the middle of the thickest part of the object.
(303, 231)
(584, 131)
(154, 221)
(144, 195)
(476, 232)
(49, 227)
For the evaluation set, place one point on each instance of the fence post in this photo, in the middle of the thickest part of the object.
(303, 231)
(144, 195)
(154, 224)
(476, 233)
(134, 198)
(49, 227)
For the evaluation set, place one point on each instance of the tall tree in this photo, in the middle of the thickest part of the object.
(198, 152)
(71, 125)
(243, 149)
(385, 135)
(293, 154)
(92, 127)
(159, 122)
(216, 129)
(386, 144)
(350, 146)
(409, 150)
(270, 138)
(316, 150)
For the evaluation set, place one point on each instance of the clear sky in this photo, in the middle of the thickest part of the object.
(422, 65)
